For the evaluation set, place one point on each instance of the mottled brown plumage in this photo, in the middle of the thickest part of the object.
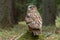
(33, 20)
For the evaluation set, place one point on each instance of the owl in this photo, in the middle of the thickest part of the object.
(33, 20)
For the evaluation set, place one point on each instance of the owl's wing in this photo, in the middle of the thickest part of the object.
(39, 19)
(28, 18)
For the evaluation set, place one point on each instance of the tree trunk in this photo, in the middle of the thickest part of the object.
(49, 12)
(14, 12)
(5, 13)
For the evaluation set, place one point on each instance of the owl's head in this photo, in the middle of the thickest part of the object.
(32, 7)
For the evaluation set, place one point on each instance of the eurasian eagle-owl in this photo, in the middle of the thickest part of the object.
(33, 20)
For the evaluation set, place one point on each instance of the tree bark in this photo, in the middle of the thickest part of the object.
(49, 12)
(5, 13)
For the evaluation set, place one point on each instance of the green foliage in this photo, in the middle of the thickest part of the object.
(58, 2)
(29, 36)
(11, 32)
(58, 22)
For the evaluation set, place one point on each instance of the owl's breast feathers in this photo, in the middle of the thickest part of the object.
(34, 20)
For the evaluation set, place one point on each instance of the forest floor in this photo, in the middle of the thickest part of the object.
(45, 35)
(13, 33)
(19, 32)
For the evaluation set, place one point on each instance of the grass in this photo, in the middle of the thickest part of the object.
(43, 36)
(12, 32)
(46, 33)
(28, 36)
(22, 28)
(58, 22)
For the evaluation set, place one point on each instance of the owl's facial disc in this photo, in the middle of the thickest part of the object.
(31, 7)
